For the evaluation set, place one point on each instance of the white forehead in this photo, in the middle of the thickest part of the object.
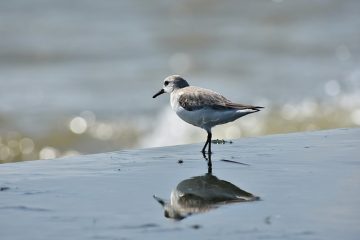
(172, 78)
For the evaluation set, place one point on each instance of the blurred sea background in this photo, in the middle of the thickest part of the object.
(77, 76)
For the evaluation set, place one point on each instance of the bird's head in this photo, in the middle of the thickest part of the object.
(172, 83)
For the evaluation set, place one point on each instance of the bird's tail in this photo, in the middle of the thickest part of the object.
(248, 110)
(243, 107)
(256, 108)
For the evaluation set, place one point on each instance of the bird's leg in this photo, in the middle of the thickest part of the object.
(209, 140)
(208, 159)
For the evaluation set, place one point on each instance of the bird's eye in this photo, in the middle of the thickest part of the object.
(166, 83)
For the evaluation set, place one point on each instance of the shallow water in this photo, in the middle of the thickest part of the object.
(102, 62)
(308, 184)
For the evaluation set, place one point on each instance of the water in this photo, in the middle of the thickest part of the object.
(102, 62)
(308, 184)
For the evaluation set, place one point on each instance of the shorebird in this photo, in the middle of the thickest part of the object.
(202, 107)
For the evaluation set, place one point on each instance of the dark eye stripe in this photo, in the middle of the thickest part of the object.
(166, 83)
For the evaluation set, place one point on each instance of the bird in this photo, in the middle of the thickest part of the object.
(202, 107)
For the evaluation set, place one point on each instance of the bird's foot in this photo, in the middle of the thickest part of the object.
(206, 152)
(208, 159)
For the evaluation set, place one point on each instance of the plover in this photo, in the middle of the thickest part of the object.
(202, 107)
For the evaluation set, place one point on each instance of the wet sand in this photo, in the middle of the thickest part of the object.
(308, 184)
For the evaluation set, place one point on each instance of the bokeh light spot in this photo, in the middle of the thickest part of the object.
(48, 153)
(26, 146)
(78, 125)
(355, 117)
(104, 131)
(289, 112)
(4, 152)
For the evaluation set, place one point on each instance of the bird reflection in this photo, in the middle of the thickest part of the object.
(202, 193)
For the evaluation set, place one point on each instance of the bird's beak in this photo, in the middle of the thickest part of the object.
(159, 93)
(159, 200)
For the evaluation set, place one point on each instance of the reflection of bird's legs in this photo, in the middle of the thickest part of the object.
(208, 159)
(209, 164)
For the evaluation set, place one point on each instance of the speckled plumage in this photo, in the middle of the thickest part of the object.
(194, 98)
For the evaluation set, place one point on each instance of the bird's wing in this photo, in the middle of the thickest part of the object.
(194, 98)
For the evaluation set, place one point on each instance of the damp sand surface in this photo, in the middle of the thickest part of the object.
(308, 184)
